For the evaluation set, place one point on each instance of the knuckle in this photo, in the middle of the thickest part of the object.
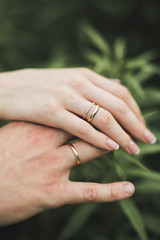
(81, 83)
(83, 130)
(50, 107)
(121, 107)
(52, 111)
(106, 119)
(85, 71)
(126, 141)
(89, 193)
(49, 191)
(124, 93)
(78, 83)
(111, 193)
(69, 94)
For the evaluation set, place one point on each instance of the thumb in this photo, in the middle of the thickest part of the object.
(79, 192)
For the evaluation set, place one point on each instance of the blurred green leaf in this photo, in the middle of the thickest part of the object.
(96, 39)
(141, 60)
(132, 213)
(76, 221)
(140, 173)
(119, 49)
(92, 235)
(148, 186)
(137, 163)
(150, 149)
(152, 222)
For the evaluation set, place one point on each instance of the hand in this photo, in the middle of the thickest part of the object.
(60, 97)
(35, 168)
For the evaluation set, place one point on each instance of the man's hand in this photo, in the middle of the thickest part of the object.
(34, 172)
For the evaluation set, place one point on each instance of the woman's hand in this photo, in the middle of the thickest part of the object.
(60, 97)
(35, 168)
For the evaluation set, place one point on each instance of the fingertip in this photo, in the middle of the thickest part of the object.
(121, 190)
(112, 144)
(129, 189)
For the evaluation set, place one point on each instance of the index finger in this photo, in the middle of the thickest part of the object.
(80, 192)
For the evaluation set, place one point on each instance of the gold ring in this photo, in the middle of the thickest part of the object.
(75, 153)
(85, 115)
(93, 114)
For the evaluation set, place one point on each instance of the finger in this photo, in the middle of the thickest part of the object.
(85, 151)
(117, 90)
(83, 130)
(79, 192)
(122, 113)
(105, 122)
(85, 108)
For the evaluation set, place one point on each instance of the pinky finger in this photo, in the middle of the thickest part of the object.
(80, 192)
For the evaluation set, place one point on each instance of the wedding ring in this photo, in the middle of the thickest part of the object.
(93, 114)
(75, 153)
(85, 115)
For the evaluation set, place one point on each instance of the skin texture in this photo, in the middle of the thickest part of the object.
(34, 172)
(60, 97)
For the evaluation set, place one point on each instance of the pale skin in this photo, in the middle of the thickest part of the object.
(60, 97)
(34, 172)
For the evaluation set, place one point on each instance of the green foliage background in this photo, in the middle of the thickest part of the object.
(114, 38)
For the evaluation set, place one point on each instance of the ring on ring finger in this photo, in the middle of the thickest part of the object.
(93, 111)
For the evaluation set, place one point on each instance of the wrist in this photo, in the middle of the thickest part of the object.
(5, 95)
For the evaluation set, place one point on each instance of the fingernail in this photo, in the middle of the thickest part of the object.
(129, 188)
(134, 148)
(112, 144)
(150, 137)
(141, 119)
